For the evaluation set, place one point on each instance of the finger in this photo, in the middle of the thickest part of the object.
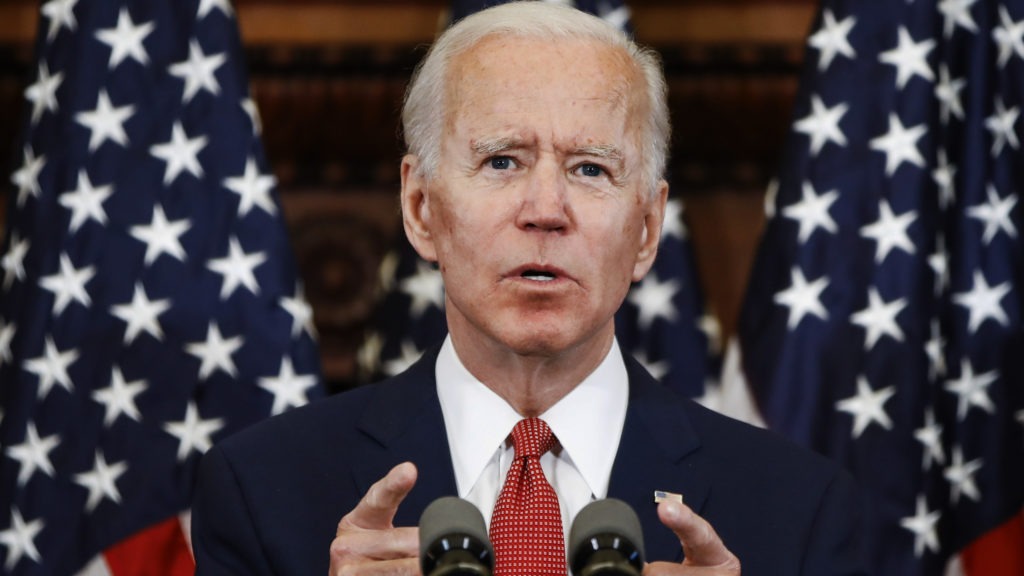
(366, 545)
(377, 508)
(701, 544)
(403, 567)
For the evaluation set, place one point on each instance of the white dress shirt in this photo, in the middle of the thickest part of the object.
(587, 422)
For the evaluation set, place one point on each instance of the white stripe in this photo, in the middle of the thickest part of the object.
(96, 567)
(733, 397)
(185, 519)
(954, 568)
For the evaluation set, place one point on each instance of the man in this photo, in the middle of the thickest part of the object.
(537, 138)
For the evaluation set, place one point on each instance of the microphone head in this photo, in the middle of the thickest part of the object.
(606, 538)
(453, 539)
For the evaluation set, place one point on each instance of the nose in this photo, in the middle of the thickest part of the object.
(545, 201)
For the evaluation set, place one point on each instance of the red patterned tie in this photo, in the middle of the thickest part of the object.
(526, 527)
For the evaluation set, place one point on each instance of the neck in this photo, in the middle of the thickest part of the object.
(531, 383)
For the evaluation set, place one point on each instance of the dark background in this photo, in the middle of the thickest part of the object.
(328, 77)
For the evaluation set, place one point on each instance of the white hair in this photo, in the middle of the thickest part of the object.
(423, 112)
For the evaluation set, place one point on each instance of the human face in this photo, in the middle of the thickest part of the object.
(537, 214)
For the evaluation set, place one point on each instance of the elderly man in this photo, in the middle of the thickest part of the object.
(537, 138)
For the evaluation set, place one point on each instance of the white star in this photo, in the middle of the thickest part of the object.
(198, 72)
(161, 236)
(879, 318)
(867, 406)
(812, 212)
(141, 314)
(771, 198)
(1009, 36)
(653, 299)
(957, 13)
(673, 221)
(1000, 124)
(105, 122)
(982, 302)
(237, 269)
(368, 355)
(68, 284)
(52, 367)
(708, 324)
(387, 271)
(215, 352)
(899, 145)
(657, 369)
(289, 389)
(822, 124)
(26, 178)
(930, 436)
(7, 332)
(86, 202)
(119, 398)
(939, 263)
(922, 524)
(43, 94)
(618, 18)
(425, 288)
(193, 433)
(301, 313)
(802, 298)
(409, 355)
(13, 262)
(947, 91)
(251, 110)
(101, 481)
(972, 390)
(19, 540)
(945, 177)
(890, 231)
(909, 58)
(961, 477)
(61, 14)
(180, 153)
(205, 6)
(125, 40)
(33, 454)
(1020, 417)
(253, 188)
(995, 214)
(934, 348)
(832, 38)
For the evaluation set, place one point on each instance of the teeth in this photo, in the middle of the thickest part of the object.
(539, 276)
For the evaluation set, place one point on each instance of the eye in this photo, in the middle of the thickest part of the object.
(590, 170)
(501, 163)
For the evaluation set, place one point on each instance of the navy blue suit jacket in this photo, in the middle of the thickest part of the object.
(269, 499)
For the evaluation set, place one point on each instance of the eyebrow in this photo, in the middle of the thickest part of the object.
(492, 146)
(606, 151)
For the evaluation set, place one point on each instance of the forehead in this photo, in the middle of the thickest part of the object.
(504, 76)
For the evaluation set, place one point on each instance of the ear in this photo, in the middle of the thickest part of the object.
(654, 219)
(416, 209)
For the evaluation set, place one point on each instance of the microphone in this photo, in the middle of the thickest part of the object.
(606, 540)
(453, 540)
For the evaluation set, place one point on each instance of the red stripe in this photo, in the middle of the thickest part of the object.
(999, 552)
(160, 550)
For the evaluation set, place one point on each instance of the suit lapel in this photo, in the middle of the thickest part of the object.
(659, 450)
(404, 422)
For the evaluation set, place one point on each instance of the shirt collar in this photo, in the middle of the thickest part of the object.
(587, 422)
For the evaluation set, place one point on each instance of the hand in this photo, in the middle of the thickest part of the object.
(705, 553)
(367, 543)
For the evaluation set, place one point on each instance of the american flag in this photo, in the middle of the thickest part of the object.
(883, 323)
(149, 303)
(662, 322)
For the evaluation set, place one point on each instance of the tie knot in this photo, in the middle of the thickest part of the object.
(531, 438)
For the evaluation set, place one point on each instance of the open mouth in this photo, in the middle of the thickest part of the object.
(538, 275)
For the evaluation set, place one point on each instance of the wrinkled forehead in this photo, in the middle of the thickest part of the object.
(501, 66)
